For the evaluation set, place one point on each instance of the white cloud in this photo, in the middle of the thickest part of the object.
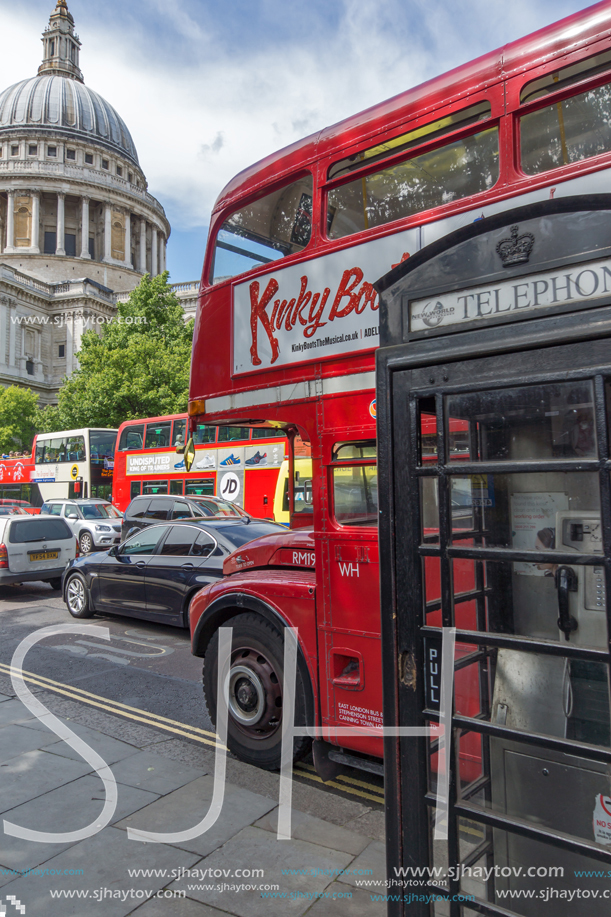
(201, 116)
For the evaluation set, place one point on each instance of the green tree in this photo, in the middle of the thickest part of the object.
(18, 412)
(138, 366)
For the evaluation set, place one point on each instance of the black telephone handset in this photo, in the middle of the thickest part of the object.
(566, 581)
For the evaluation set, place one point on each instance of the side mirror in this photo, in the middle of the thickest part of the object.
(114, 551)
(72, 516)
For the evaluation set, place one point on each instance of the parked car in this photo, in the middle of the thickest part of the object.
(144, 511)
(12, 511)
(96, 523)
(156, 572)
(35, 548)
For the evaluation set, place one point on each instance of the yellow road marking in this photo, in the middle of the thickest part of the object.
(353, 780)
(162, 722)
(338, 786)
(111, 707)
(85, 694)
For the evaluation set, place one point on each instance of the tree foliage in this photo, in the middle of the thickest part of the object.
(138, 366)
(18, 410)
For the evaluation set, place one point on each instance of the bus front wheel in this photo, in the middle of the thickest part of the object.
(255, 692)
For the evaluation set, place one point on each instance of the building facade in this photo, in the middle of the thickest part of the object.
(78, 226)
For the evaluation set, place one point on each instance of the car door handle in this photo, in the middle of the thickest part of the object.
(140, 563)
(186, 566)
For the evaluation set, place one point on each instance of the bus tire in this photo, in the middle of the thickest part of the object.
(77, 597)
(255, 692)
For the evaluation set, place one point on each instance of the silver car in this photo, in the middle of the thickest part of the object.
(35, 548)
(96, 523)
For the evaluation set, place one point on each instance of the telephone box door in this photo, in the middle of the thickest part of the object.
(503, 522)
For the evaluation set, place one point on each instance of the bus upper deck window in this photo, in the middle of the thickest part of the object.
(266, 433)
(267, 229)
(570, 129)
(414, 181)
(158, 435)
(178, 435)
(132, 437)
(204, 434)
(232, 434)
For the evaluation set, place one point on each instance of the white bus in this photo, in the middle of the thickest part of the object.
(75, 463)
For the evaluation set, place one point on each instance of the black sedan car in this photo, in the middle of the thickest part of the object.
(155, 573)
(145, 510)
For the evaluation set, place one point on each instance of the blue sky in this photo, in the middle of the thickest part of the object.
(206, 88)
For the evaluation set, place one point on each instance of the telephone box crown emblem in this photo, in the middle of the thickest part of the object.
(517, 249)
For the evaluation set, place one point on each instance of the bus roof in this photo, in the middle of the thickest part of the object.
(561, 37)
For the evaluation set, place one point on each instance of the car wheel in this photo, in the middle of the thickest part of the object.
(56, 583)
(85, 543)
(255, 692)
(77, 597)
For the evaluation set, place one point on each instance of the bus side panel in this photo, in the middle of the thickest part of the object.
(354, 662)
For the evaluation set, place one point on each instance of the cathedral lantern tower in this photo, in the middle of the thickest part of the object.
(61, 45)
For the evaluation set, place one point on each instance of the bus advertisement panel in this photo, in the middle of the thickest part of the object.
(296, 243)
(235, 462)
(75, 463)
(16, 485)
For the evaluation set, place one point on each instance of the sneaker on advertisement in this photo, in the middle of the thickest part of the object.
(179, 466)
(206, 461)
(230, 460)
(257, 459)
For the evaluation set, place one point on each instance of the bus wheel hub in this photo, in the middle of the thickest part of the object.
(255, 696)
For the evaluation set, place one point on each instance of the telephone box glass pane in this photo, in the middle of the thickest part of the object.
(429, 510)
(559, 602)
(537, 693)
(526, 423)
(537, 511)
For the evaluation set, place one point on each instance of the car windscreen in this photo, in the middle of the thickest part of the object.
(95, 511)
(219, 508)
(39, 530)
(234, 536)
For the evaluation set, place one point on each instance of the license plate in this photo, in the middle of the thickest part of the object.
(45, 555)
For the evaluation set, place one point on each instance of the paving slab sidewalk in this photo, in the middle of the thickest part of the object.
(237, 868)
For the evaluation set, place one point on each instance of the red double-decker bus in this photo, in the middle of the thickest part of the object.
(236, 462)
(296, 243)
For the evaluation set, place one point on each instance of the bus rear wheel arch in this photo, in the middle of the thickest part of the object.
(256, 691)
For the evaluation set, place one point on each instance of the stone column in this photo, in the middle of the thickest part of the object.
(38, 356)
(142, 246)
(12, 333)
(35, 234)
(154, 246)
(10, 221)
(61, 224)
(128, 239)
(162, 244)
(85, 228)
(107, 233)
(69, 319)
(79, 327)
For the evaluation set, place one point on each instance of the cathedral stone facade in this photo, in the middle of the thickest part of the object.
(78, 227)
